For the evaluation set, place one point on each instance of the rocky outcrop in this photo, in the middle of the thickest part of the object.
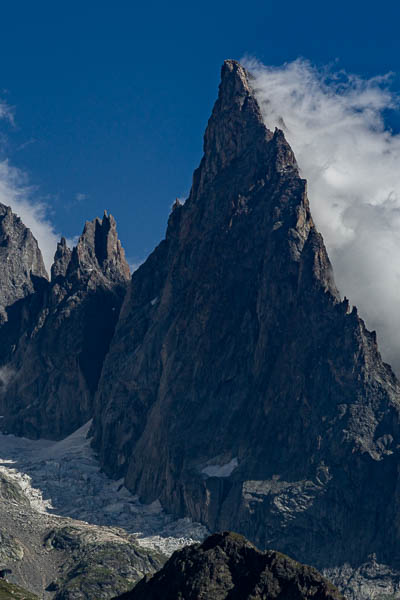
(21, 263)
(54, 343)
(62, 558)
(62, 258)
(239, 389)
(9, 591)
(227, 566)
(96, 567)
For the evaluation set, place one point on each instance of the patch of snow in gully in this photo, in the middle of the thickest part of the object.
(221, 470)
(64, 478)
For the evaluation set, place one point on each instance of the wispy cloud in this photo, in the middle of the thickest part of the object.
(334, 122)
(16, 192)
(6, 112)
(81, 196)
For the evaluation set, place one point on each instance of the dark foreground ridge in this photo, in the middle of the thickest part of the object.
(226, 566)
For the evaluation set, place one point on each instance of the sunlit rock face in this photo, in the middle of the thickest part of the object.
(21, 264)
(239, 389)
(55, 340)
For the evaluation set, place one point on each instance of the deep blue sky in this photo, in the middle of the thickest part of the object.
(111, 98)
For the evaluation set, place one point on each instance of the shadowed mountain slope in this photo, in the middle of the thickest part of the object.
(21, 263)
(55, 340)
(239, 389)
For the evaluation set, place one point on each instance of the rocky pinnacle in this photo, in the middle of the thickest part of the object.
(239, 390)
(57, 340)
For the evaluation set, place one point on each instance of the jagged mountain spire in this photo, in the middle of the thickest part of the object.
(236, 134)
(62, 259)
(99, 250)
(237, 383)
(57, 341)
(235, 126)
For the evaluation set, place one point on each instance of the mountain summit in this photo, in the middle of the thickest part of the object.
(239, 389)
(226, 379)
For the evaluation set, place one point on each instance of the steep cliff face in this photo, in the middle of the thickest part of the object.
(21, 262)
(226, 566)
(239, 389)
(54, 345)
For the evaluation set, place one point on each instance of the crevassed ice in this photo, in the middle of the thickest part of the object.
(64, 478)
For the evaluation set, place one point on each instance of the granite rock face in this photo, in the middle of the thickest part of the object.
(21, 263)
(239, 389)
(55, 340)
(227, 566)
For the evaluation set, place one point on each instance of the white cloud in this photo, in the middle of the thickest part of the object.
(334, 123)
(15, 192)
(6, 112)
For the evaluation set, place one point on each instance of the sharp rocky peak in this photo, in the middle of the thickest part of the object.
(237, 136)
(97, 253)
(236, 121)
(62, 259)
(235, 318)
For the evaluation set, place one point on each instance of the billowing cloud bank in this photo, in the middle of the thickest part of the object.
(15, 192)
(334, 123)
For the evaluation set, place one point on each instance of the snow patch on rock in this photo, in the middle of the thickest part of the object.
(225, 470)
